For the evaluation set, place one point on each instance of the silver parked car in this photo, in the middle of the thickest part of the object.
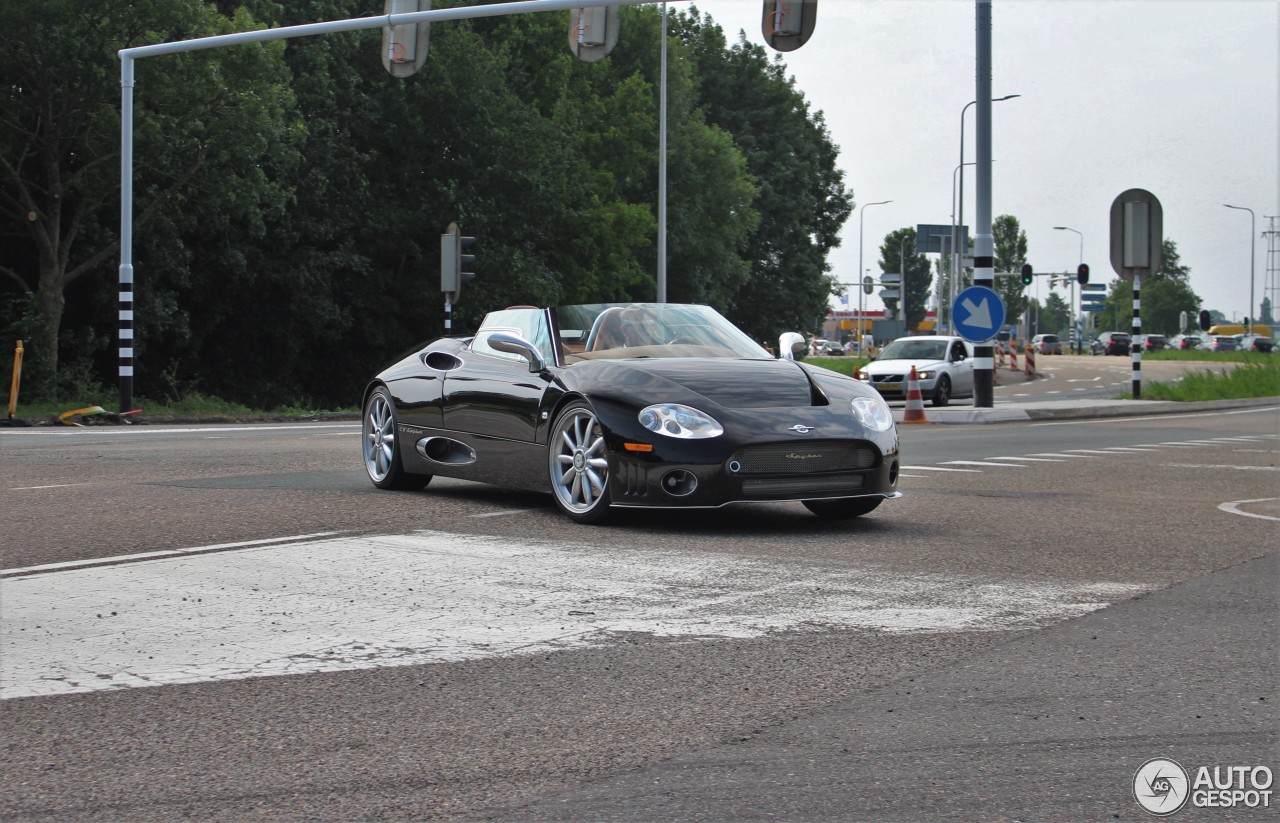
(944, 367)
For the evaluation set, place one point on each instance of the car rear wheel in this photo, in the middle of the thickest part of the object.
(578, 464)
(845, 508)
(381, 456)
(942, 391)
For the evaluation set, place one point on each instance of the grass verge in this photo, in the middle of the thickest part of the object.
(1257, 376)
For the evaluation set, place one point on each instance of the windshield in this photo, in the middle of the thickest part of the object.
(908, 349)
(659, 330)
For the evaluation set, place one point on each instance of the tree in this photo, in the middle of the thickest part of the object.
(1010, 253)
(917, 278)
(1055, 317)
(801, 199)
(212, 129)
(1165, 295)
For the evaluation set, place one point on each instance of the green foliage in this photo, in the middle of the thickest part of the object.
(289, 197)
(1165, 295)
(1010, 253)
(917, 277)
(1259, 376)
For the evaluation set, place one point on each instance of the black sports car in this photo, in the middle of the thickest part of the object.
(652, 405)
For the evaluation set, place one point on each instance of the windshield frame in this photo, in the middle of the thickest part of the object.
(676, 330)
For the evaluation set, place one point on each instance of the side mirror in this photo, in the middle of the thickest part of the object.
(791, 346)
(514, 344)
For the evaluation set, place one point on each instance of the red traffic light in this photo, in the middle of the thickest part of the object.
(1082, 274)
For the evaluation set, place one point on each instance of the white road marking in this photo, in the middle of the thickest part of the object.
(1031, 459)
(1233, 507)
(396, 600)
(1056, 454)
(53, 486)
(981, 463)
(937, 469)
(100, 561)
(1087, 451)
(1234, 466)
(501, 513)
(1128, 449)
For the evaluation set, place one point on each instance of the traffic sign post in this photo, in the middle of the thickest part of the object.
(977, 314)
(1137, 248)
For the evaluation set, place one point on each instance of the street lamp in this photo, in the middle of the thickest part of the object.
(1072, 307)
(1252, 229)
(960, 210)
(861, 290)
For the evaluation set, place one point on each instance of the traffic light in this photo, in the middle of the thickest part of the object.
(1205, 323)
(455, 259)
(788, 24)
(1027, 274)
(1082, 274)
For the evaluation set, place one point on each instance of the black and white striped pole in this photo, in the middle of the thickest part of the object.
(1135, 340)
(984, 361)
(1137, 247)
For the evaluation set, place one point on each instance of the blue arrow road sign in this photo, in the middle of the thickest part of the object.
(977, 314)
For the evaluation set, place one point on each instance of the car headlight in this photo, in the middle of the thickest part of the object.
(873, 413)
(926, 375)
(675, 420)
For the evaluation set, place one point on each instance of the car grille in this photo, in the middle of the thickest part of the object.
(825, 486)
(888, 378)
(804, 458)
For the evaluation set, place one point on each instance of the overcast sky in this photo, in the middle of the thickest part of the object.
(1179, 97)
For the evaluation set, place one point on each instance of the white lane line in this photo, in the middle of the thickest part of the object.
(503, 513)
(193, 429)
(1056, 454)
(1150, 418)
(396, 600)
(914, 476)
(1086, 451)
(1235, 466)
(1233, 507)
(1128, 449)
(120, 558)
(53, 486)
(1031, 459)
(981, 463)
(937, 469)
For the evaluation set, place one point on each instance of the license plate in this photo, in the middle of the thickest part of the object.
(889, 386)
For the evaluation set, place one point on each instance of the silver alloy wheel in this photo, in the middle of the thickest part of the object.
(579, 470)
(379, 438)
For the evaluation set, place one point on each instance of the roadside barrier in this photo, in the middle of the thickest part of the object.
(915, 402)
(1031, 362)
(1013, 358)
(1000, 354)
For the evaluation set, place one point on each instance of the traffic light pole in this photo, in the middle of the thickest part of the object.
(984, 361)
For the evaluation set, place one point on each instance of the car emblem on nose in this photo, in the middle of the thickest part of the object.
(800, 429)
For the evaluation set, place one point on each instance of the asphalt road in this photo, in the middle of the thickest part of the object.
(1048, 606)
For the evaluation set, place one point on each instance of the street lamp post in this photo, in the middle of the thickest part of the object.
(1253, 225)
(861, 290)
(1071, 313)
(955, 241)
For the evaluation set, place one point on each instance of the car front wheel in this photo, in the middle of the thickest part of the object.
(845, 508)
(942, 391)
(381, 456)
(578, 464)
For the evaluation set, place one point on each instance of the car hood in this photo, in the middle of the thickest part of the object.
(902, 366)
(731, 384)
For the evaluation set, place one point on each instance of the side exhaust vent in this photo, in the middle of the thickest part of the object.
(444, 450)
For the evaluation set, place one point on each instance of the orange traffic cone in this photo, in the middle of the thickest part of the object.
(915, 403)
